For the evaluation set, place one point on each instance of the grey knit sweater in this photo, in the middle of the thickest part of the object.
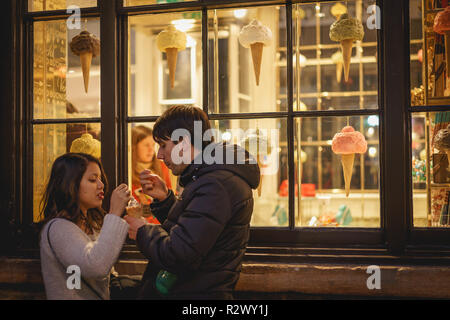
(73, 247)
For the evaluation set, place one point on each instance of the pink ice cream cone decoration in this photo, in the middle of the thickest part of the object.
(347, 143)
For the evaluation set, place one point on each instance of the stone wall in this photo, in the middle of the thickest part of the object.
(274, 281)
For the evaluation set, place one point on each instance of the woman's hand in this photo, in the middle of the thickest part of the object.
(119, 199)
(153, 185)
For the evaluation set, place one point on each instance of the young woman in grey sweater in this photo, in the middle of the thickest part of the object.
(79, 244)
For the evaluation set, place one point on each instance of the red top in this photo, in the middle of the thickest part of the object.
(145, 199)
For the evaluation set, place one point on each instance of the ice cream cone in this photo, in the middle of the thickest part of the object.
(346, 46)
(172, 54)
(257, 49)
(347, 164)
(339, 66)
(86, 59)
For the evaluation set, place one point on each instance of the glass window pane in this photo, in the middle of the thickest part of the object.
(53, 140)
(153, 86)
(61, 88)
(142, 152)
(130, 3)
(428, 47)
(430, 168)
(319, 68)
(271, 198)
(321, 199)
(239, 82)
(48, 5)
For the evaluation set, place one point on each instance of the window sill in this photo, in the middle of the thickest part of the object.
(278, 278)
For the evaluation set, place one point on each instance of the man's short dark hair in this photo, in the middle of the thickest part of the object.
(180, 117)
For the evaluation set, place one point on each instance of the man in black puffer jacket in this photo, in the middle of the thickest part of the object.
(204, 232)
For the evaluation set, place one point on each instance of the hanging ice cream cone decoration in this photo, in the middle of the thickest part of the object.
(442, 26)
(338, 9)
(257, 50)
(87, 144)
(172, 55)
(339, 61)
(255, 36)
(347, 46)
(347, 161)
(171, 41)
(86, 60)
(86, 46)
(346, 30)
(347, 143)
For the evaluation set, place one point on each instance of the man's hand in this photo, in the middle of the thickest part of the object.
(135, 224)
(153, 185)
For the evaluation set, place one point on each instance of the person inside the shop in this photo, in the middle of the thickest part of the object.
(143, 156)
(79, 243)
(197, 251)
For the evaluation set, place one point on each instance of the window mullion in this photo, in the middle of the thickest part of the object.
(108, 93)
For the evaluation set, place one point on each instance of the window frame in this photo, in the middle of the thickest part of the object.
(396, 235)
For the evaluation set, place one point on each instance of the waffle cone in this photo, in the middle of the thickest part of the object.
(172, 55)
(86, 59)
(347, 165)
(339, 66)
(257, 50)
(346, 46)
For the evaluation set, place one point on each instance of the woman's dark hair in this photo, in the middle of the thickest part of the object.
(181, 117)
(138, 134)
(61, 196)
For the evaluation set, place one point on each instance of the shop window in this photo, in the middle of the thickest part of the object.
(430, 131)
(238, 81)
(66, 88)
(53, 140)
(321, 199)
(158, 78)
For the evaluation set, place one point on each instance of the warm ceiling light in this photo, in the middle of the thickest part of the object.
(240, 13)
(183, 24)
